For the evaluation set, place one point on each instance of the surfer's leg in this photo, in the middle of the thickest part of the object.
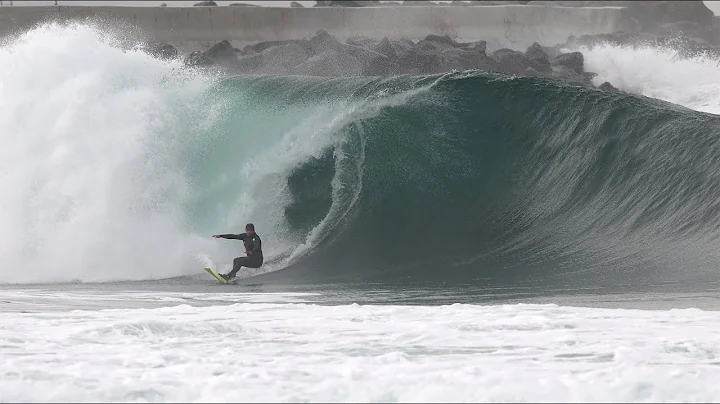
(238, 263)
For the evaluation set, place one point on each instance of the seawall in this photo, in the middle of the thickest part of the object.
(194, 28)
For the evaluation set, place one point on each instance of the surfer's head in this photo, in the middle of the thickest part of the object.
(249, 229)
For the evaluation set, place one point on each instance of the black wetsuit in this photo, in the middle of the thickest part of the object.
(254, 258)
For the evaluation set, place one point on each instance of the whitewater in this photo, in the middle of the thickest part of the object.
(116, 168)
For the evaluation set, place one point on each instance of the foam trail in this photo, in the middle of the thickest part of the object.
(279, 352)
(86, 190)
(658, 73)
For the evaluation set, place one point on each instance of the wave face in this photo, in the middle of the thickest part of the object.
(119, 166)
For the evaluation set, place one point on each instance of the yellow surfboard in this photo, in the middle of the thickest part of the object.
(216, 275)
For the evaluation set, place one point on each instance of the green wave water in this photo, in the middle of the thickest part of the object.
(483, 178)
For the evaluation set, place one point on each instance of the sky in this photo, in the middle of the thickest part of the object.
(712, 5)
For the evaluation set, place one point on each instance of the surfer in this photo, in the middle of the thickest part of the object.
(253, 249)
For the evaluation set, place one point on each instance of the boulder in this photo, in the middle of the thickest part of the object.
(565, 74)
(220, 54)
(323, 55)
(536, 53)
(358, 52)
(539, 60)
(363, 41)
(442, 40)
(384, 47)
(383, 66)
(249, 64)
(263, 46)
(511, 61)
(467, 59)
(322, 41)
(574, 61)
(161, 51)
(367, 60)
(589, 76)
(330, 62)
(402, 45)
(552, 51)
(606, 86)
(283, 59)
(205, 4)
(419, 61)
(480, 46)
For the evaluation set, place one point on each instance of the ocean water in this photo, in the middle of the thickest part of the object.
(459, 237)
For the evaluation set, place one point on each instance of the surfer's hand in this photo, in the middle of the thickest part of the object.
(216, 236)
(248, 252)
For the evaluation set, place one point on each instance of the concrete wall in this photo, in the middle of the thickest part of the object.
(191, 28)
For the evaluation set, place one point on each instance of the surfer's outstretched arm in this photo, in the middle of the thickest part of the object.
(240, 236)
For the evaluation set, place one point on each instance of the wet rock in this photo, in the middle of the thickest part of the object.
(511, 61)
(263, 46)
(384, 66)
(467, 59)
(162, 51)
(443, 41)
(330, 62)
(362, 54)
(419, 61)
(249, 64)
(283, 59)
(606, 86)
(324, 55)
(480, 46)
(322, 41)
(539, 60)
(205, 4)
(221, 54)
(361, 41)
(402, 45)
(385, 47)
(574, 61)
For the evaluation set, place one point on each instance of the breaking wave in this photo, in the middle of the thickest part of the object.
(120, 166)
